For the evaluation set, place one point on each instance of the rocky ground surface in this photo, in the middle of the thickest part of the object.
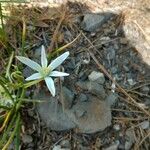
(90, 111)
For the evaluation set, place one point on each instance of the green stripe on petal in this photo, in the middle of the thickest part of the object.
(35, 76)
(50, 84)
(58, 74)
(32, 64)
(43, 57)
(58, 61)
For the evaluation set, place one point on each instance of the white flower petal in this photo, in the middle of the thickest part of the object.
(43, 57)
(59, 60)
(50, 84)
(58, 74)
(34, 77)
(32, 64)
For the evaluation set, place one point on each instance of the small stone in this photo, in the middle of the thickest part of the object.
(112, 99)
(111, 53)
(145, 124)
(26, 139)
(131, 82)
(96, 89)
(97, 76)
(114, 69)
(92, 22)
(92, 87)
(57, 147)
(126, 68)
(116, 127)
(145, 89)
(65, 144)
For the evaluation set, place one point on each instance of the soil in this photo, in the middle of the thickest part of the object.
(107, 46)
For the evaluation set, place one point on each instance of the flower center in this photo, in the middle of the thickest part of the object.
(45, 72)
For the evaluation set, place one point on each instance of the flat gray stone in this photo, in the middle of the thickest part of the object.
(52, 113)
(91, 116)
(86, 116)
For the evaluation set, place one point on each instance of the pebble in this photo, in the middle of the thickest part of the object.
(131, 82)
(93, 87)
(116, 127)
(111, 53)
(112, 99)
(92, 22)
(97, 76)
(145, 89)
(65, 144)
(114, 69)
(126, 68)
(145, 124)
(58, 147)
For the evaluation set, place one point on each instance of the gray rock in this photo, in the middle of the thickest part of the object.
(116, 127)
(95, 115)
(131, 82)
(87, 116)
(51, 112)
(112, 99)
(126, 68)
(67, 98)
(26, 139)
(145, 124)
(58, 147)
(114, 69)
(93, 88)
(111, 54)
(145, 89)
(130, 139)
(97, 77)
(92, 22)
(65, 144)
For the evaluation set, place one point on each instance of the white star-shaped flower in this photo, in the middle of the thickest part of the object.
(44, 70)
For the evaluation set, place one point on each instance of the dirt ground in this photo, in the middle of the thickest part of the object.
(118, 47)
